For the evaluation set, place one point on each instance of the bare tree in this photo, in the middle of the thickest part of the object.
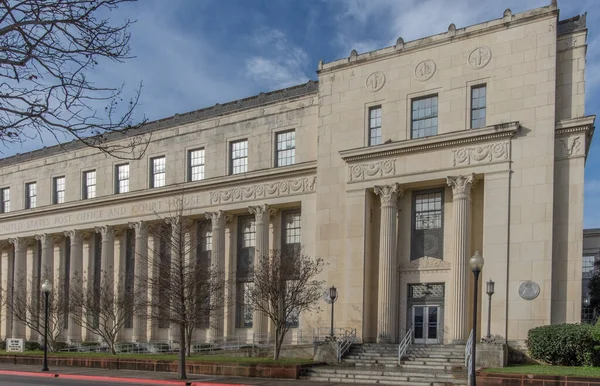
(187, 289)
(285, 285)
(28, 307)
(102, 307)
(48, 49)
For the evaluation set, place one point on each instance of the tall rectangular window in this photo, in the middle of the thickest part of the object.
(122, 178)
(286, 148)
(239, 157)
(89, 184)
(245, 260)
(5, 200)
(157, 172)
(478, 106)
(30, 195)
(425, 117)
(203, 256)
(291, 248)
(374, 125)
(59, 190)
(196, 165)
(427, 237)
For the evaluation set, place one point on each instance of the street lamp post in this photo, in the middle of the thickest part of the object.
(46, 288)
(333, 297)
(490, 291)
(476, 263)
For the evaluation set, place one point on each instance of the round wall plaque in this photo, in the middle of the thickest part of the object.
(425, 70)
(529, 290)
(375, 81)
(479, 57)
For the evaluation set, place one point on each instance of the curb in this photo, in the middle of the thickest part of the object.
(138, 381)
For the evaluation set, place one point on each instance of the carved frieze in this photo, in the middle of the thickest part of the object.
(479, 57)
(383, 168)
(425, 263)
(568, 147)
(264, 190)
(490, 152)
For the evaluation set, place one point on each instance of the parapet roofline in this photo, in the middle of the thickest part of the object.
(565, 26)
(254, 101)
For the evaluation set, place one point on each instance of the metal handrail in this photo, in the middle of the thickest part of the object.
(348, 338)
(468, 358)
(404, 344)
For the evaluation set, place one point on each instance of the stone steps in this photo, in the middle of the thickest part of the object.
(385, 376)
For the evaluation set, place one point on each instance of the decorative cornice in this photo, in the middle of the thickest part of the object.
(283, 187)
(497, 151)
(426, 263)
(384, 168)
(462, 137)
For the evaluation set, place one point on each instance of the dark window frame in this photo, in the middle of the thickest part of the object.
(118, 180)
(414, 232)
(190, 167)
(484, 108)
(154, 174)
(231, 159)
(3, 202)
(412, 118)
(243, 277)
(28, 195)
(277, 151)
(371, 128)
(85, 187)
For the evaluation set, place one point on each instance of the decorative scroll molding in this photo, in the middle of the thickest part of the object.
(479, 57)
(375, 81)
(425, 263)
(568, 147)
(498, 151)
(264, 190)
(383, 168)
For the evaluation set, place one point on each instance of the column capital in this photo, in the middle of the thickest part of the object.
(18, 242)
(261, 212)
(389, 194)
(140, 227)
(43, 238)
(74, 235)
(461, 185)
(105, 231)
(218, 219)
(57, 238)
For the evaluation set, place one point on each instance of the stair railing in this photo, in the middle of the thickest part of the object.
(404, 344)
(468, 357)
(347, 339)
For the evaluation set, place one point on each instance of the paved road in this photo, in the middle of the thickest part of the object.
(9, 380)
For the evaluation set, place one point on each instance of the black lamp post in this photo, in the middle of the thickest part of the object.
(46, 288)
(333, 297)
(490, 291)
(476, 263)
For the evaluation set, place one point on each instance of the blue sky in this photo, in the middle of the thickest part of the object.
(195, 53)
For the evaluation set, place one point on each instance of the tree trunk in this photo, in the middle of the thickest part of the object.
(188, 345)
(181, 373)
(278, 341)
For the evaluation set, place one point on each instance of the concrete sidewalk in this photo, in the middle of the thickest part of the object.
(149, 378)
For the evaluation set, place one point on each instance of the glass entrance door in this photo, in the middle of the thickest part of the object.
(426, 321)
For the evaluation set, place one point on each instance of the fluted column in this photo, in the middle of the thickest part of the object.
(75, 281)
(33, 288)
(177, 250)
(217, 255)
(19, 284)
(461, 204)
(7, 268)
(387, 305)
(47, 258)
(140, 287)
(261, 252)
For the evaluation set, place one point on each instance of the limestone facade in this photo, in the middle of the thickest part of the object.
(395, 167)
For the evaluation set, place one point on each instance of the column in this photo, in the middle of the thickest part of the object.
(177, 251)
(7, 271)
(87, 278)
(33, 290)
(153, 264)
(139, 285)
(57, 278)
(118, 270)
(461, 204)
(19, 287)
(47, 258)
(218, 220)
(75, 282)
(261, 252)
(387, 305)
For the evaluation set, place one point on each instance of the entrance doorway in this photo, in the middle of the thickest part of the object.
(426, 324)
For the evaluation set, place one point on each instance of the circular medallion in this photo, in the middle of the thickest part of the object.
(326, 297)
(479, 57)
(375, 81)
(425, 70)
(529, 290)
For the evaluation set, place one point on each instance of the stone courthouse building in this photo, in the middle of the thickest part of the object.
(394, 167)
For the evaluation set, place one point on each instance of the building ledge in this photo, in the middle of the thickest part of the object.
(429, 143)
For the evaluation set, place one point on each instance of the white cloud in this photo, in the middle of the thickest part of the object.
(281, 63)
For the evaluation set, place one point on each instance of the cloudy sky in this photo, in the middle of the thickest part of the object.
(195, 53)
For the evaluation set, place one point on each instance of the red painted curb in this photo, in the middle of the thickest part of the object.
(28, 374)
(138, 381)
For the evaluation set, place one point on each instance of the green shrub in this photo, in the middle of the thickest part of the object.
(32, 346)
(2, 345)
(564, 344)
